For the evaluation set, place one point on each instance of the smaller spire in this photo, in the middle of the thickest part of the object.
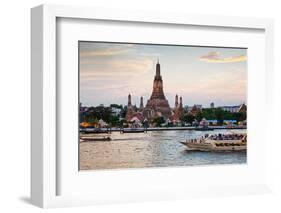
(180, 102)
(129, 100)
(141, 103)
(176, 101)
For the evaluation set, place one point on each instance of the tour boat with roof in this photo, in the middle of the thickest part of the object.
(218, 143)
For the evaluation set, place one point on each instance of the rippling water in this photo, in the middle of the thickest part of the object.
(151, 149)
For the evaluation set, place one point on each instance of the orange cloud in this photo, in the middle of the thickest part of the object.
(118, 68)
(215, 57)
(108, 52)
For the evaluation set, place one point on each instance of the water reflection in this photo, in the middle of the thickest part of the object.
(151, 149)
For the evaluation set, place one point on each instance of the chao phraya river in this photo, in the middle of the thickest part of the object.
(151, 149)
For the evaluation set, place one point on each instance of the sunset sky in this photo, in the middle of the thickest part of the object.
(201, 75)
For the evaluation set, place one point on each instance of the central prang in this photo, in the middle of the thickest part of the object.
(156, 106)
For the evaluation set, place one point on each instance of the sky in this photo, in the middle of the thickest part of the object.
(201, 75)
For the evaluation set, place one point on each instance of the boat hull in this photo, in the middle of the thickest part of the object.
(132, 130)
(94, 139)
(204, 147)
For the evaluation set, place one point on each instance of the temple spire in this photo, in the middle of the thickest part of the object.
(158, 69)
(130, 111)
(157, 104)
(129, 100)
(180, 102)
(141, 103)
(176, 101)
(157, 92)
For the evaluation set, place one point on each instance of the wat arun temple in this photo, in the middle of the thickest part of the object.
(157, 105)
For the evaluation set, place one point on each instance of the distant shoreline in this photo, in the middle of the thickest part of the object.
(115, 129)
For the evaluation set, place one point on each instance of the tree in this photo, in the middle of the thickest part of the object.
(116, 106)
(199, 116)
(124, 111)
(114, 121)
(158, 121)
(209, 114)
(90, 118)
(188, 118)
(240, 116)
(219, 113)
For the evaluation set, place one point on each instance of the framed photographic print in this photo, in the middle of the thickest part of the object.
(115, 132)
(130, 106)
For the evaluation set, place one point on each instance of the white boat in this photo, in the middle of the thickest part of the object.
(218, 143)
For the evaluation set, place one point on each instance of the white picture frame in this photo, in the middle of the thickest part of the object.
(44, 154)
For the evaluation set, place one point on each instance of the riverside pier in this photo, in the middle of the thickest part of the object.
(108, 130)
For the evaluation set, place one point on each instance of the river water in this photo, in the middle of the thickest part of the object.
(152, 149)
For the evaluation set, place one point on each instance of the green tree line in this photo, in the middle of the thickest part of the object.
(214, 114)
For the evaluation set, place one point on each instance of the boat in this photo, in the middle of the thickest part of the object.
(132, 130)
(93, 139)
(203, 129)
(94, 130)
(218, 143)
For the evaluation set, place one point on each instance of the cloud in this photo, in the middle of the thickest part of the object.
(101, 49)
(108, 52)
(215, 57)
(116, 68)
(149, 54)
